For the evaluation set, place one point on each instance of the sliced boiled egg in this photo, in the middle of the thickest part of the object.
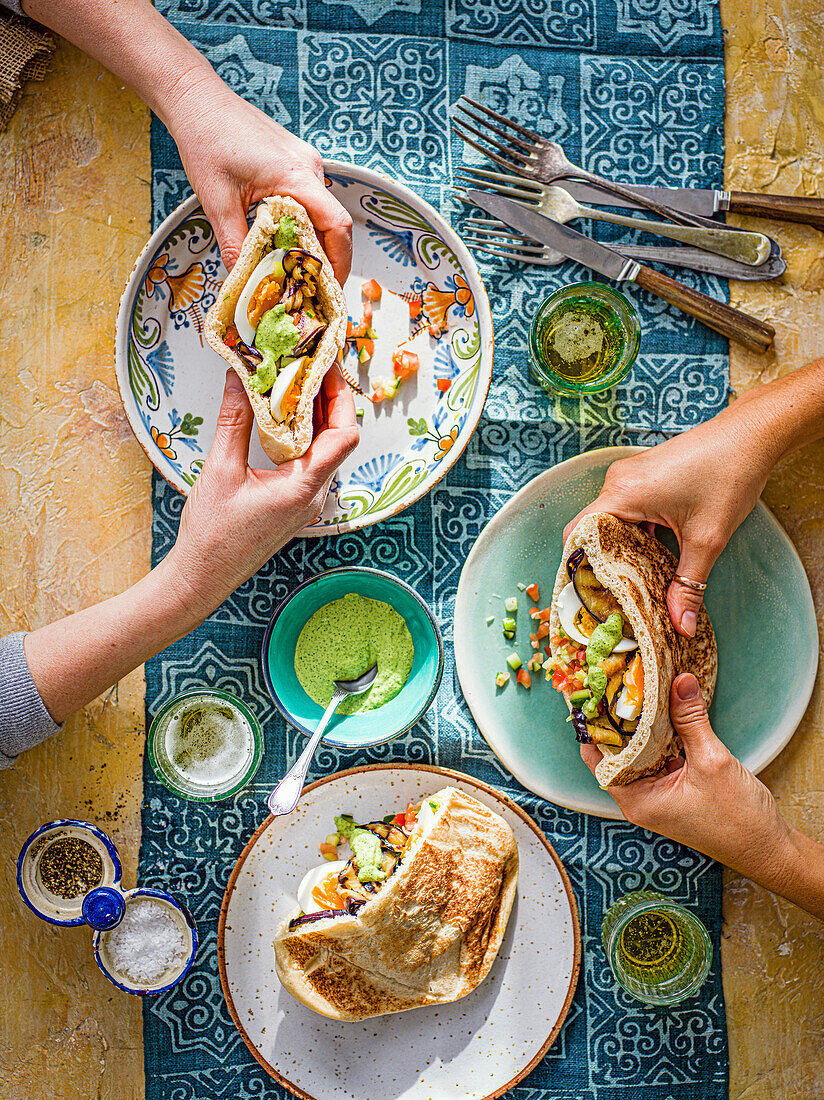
(265, 268)
(567, 608)
(426, 817)
(623, 709)
(283, 383)
(314, 877)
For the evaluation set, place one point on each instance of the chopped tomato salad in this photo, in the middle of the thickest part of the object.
(405, 363)
(407, 819)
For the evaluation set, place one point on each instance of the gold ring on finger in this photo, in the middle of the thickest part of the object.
(696, 586)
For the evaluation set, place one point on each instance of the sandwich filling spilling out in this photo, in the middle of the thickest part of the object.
(596, 662)
(341, 887)
(278, 321)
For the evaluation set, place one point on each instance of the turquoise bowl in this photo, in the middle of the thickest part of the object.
(354, 731)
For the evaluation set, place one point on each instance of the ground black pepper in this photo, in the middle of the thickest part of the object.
(70, 867)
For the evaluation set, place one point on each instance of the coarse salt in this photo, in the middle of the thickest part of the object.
(147, 942)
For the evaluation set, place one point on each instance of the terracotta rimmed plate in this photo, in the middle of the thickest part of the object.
(171, 382)
(758, 588)
(476, 1048)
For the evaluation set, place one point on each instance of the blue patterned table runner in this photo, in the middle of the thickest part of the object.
(633, 89)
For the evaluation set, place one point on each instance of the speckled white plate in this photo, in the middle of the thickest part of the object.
(171, 382)
(477, 1047)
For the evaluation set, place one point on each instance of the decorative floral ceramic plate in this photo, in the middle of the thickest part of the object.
(758, 580)
(171, 381)
(477, 1047)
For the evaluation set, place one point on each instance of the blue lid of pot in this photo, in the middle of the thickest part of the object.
(103, 908)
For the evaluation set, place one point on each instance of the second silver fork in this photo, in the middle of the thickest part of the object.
(520, 150)
(553, 201)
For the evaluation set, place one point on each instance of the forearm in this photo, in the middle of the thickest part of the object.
(797, 872)
(75, 659)
(783, 415)
(136, 43)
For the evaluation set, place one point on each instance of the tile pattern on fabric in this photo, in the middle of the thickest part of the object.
(632, 88)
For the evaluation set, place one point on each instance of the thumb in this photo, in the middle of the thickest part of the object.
(331, 221)
(684, 602)
(228, 220)
(689, 715)
(230, 447)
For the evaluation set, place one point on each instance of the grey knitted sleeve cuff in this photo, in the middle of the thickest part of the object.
(24, 720)
(13, 5)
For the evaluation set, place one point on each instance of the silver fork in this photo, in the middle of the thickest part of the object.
(493, 237)
(531, 155)
(558, 204)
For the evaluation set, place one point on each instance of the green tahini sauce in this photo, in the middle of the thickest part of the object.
(287, 233)
(345, 638)
(604, 638)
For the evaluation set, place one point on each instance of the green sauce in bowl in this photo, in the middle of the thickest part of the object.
(346, 637)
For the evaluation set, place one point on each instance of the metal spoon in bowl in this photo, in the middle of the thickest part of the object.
(286, 794)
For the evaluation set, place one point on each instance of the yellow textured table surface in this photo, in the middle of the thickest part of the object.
(74, 486)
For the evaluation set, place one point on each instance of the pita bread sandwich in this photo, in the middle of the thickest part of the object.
(413, 917)
(280, 321)
(614, 649)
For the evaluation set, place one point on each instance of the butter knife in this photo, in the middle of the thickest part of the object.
(730, 322)
(704, 203)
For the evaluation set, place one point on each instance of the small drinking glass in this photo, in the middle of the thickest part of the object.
(658, 951)
(205, 745)
(583, 340)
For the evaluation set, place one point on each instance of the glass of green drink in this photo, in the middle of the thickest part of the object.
(583, 339)
(657, 950)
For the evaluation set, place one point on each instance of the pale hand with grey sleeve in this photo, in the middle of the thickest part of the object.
(24, 720)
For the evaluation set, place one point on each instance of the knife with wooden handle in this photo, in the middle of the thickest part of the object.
(704, 202)
(730, 322)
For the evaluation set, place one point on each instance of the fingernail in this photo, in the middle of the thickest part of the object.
(689, 621)
(233, 383)
(687, 688)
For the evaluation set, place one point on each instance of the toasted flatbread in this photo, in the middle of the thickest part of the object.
(638, 569)
(288, 440)
(428, 937)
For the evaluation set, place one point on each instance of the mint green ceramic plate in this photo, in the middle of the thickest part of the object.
(758, 588)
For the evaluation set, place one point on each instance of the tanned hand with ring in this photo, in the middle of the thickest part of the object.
(702, 485)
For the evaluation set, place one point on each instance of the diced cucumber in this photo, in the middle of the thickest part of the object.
(511, 604)
(521, 587)
(509, 635)
(509, 624)
(514, 661)
(579, 697)
(502, 679)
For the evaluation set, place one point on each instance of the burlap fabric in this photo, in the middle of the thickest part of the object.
(25, 52)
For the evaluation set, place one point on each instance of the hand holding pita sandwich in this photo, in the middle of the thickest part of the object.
(235, 519)
(708, 800)
(235, 154)
(704, 483)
